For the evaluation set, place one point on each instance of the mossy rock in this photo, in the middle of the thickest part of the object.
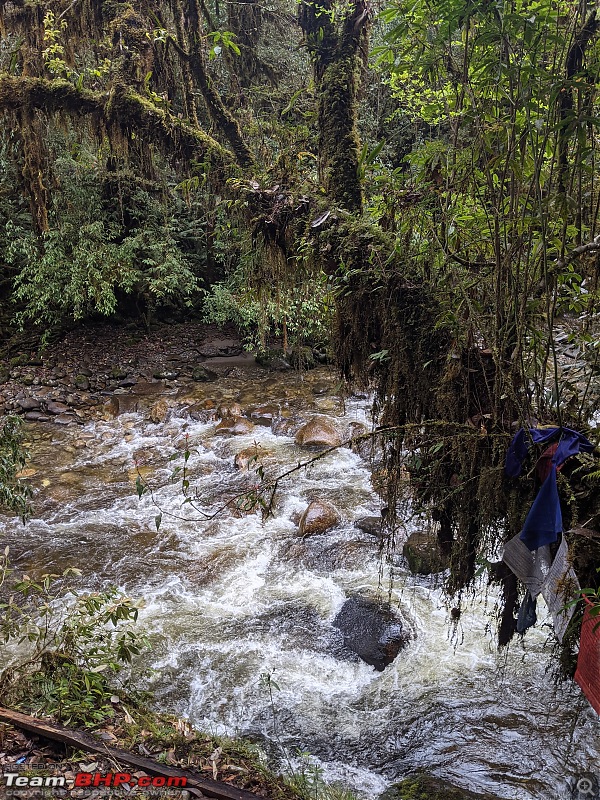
(423, 555)
(272, 359)
(427, 787)
(302, 358)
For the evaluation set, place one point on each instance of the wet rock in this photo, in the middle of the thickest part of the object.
(82, 383)
(250, 458)
(320, 516)
(27, 380)
(201, 374)
(229, 409)
(56, 408)
(159, 410)
(371, 630)
(237, 426)
(273, 359)
(264, 415)
(110, 409)
(28, 403)
(319, 432)
(345, 555)
(64, 419)
(302, 358)
(220, 347)
(200, 413)
(423, 554)
(118, 373)
(36, 416)
(370, 525)
(165, 375)
(286, 426)
(128, 404)
(421, 786)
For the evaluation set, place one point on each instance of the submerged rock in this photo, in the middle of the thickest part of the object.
(319, 432)
(371, 630)
(421, 786)
(286, 426)
(319, 517)
(423, 555)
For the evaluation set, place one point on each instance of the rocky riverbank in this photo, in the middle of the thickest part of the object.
(74, 380)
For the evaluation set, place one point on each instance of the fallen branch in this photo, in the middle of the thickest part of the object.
(195, 783)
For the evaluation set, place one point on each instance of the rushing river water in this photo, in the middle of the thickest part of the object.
(232, 599)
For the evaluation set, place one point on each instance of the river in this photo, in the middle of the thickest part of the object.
(235, 598)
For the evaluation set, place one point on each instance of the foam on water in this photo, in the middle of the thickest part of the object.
(231, 599)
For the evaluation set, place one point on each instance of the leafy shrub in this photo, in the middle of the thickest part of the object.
(68, 647)
(14, 495)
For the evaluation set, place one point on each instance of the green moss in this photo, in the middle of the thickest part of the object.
(340, 145)
(427, 787)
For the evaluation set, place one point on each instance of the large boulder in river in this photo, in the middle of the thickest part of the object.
(320, 516)
(423, 555)
(421, 786)
(372, 630)
(319, 432)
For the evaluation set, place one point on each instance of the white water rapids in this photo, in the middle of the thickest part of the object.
(230, 600)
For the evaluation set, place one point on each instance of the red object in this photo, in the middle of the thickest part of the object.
(544, 464)
(588, 661)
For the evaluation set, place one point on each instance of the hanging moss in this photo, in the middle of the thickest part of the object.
(123, 109)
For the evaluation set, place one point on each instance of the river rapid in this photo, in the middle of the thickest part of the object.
(234, 598)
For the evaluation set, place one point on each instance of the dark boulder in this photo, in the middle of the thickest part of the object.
(372, 630)
(370, 525)
(423, 555)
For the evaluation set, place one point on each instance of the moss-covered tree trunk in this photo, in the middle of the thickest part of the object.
(338, 52)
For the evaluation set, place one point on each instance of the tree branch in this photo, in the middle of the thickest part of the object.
(121, 108)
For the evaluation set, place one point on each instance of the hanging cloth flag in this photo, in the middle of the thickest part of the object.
(553, 578)
(544, 520)
(588, 661)
(569, 444)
